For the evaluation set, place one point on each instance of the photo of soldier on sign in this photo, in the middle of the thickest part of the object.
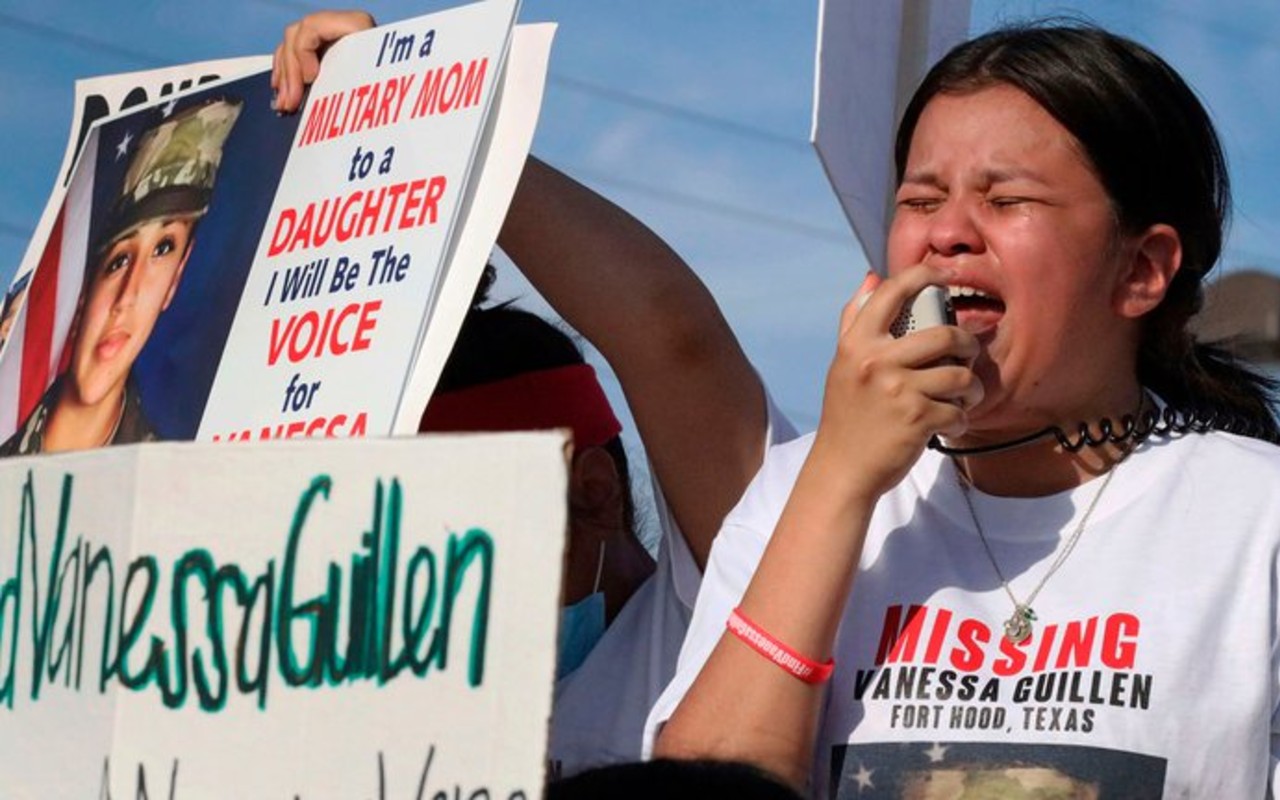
(176, 198)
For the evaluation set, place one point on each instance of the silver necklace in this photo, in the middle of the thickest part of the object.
(1017, 628)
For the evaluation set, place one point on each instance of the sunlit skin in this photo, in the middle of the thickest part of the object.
(1000, 193)
(997, 196)
(597, 529)
(132, 283)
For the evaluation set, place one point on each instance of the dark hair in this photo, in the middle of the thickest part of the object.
(502, 341)
(672, 780)
(1154, 148)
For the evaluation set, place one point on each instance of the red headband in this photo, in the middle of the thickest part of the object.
(563, 397)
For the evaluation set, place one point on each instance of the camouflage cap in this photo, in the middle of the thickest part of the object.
(173, 168)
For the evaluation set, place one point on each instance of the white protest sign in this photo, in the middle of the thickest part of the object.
(871, 55)
(362, 221)
(341, 619)
(53, 241)
(382, 199)
(500, 162)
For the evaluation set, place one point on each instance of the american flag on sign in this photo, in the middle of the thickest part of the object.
(34, 354)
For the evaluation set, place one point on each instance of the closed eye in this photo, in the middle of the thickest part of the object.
(920, 203)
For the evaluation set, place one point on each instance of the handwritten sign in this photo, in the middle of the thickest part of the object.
(368, 619)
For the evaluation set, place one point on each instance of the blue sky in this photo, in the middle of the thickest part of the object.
(693, 114)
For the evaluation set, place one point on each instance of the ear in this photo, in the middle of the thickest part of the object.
(177, 275)
(595, 489)
(1154, 257)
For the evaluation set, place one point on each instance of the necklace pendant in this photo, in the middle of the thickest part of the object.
(1017, 628)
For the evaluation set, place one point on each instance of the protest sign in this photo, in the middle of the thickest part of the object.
(871, 55)
(165, 209)
(305, 276)
(104, 95)
(505, 145)
(95, 99)
(360, 227)
(339, 619)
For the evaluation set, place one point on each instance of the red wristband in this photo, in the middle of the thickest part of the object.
(757, 639)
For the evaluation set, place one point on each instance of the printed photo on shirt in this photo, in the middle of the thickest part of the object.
(980, 770)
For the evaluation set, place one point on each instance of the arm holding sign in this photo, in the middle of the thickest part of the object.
(699, 405)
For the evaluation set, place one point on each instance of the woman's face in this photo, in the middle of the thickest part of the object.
(131, 284)
(998, 191)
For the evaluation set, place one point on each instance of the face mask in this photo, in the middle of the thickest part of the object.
(581, 626)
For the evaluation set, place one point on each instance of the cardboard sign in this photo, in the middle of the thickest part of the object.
(342, 619)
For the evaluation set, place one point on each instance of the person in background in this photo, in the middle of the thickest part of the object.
(512, 370)
(1037, 603)
(699, 407)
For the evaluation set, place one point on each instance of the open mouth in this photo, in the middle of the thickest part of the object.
(977, 311)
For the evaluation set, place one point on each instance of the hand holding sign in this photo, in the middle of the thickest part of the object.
(297, 58)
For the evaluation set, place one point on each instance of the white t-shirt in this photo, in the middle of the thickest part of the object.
(1154, 668)
(600, 708)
